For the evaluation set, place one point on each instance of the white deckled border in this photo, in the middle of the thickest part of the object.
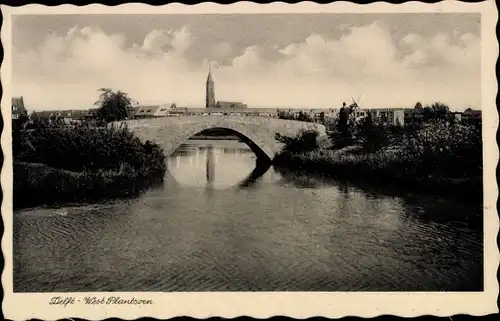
(21, 306)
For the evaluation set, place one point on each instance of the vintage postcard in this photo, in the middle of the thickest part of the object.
(249, 160)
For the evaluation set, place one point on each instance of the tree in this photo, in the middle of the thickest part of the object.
(113, 106)
(304, 117)
(441, 111)
(437, 111)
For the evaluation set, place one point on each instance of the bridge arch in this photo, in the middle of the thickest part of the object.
(261, 150)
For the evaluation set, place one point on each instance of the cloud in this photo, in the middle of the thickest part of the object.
(181, 39)
(249, 60)
(160, 40)
(222, 50)
(156, 40)
(321, 71)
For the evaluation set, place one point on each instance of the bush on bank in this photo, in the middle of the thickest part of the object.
(447, 149)
(80, 163)
(440, 157)
(305, 140)
(37, 184)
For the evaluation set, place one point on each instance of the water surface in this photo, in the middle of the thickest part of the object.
(218, 223)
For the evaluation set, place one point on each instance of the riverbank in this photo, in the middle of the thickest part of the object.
(440, 157)
(38, 184)
(381, 169)
(55, 164)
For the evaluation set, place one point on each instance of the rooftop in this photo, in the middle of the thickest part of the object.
(18, 105)
(60, 113)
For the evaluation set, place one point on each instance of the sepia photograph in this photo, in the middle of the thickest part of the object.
(231, 152)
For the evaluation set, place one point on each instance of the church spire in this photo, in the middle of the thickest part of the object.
(210, 90)
(209, 78)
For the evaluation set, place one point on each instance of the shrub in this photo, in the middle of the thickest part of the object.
(372, 136)
(440, 157)
(81, 148)
(81, 162)
(305, 140)
(447, 148)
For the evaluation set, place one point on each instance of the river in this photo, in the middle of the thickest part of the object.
(218, 223)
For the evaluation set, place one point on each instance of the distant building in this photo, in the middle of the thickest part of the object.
(78, 115)
(65, 116)
(388, 116)
(151, 111)
(132, 110)
(210, 91)
(230, 104)
(43, 115)
(414, 115)
(471, 115)
(18, 108)
(91, 114)
(173, 110)
(163, 110)
(315, 114)
(360, 114)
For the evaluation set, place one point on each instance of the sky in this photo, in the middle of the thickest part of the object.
(263, 60)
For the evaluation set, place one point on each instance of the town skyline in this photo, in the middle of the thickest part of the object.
(318, 62)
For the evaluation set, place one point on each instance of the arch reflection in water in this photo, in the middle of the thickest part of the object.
(216, 164)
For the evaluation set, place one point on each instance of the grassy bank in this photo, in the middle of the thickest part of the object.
(55, 164)
(439, 158)
(380, 169)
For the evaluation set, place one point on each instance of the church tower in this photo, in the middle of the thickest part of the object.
(210, 93)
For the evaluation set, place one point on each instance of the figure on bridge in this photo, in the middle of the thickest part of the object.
(345, 118)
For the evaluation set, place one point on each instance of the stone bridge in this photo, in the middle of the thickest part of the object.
(257, 132)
